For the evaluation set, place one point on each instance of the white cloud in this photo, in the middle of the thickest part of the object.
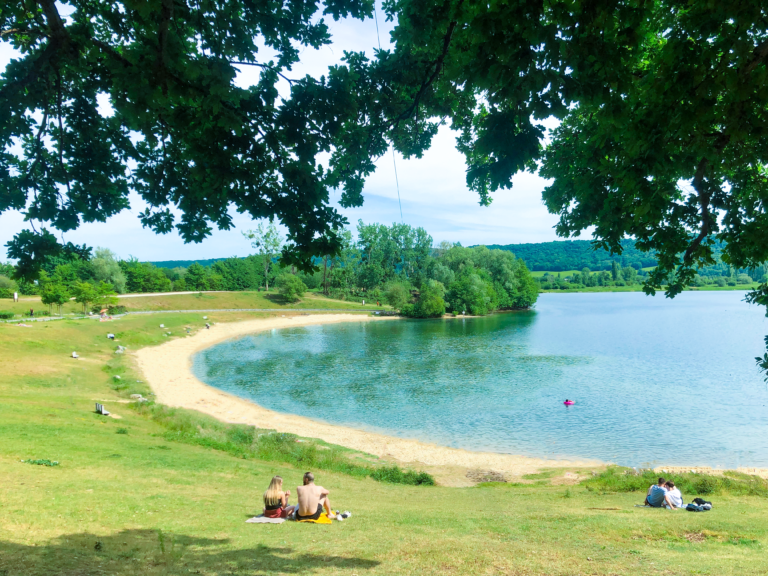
(433, 190)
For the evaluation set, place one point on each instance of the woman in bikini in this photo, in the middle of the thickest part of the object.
(276, 501)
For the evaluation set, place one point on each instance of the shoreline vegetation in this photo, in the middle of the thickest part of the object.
(186, 483)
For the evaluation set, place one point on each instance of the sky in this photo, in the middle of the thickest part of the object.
(433, 190)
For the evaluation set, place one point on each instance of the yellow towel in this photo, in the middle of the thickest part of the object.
(323, 519)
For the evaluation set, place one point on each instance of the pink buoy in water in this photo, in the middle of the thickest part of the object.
(569, 402)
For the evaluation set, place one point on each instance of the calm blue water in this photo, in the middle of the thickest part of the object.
(655, 380)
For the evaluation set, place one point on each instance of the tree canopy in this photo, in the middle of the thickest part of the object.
(662, 102)
(194, 141)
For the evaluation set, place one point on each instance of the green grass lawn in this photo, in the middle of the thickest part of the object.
(126, 499)
(200, 301)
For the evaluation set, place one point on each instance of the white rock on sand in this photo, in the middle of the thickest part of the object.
(167, 369)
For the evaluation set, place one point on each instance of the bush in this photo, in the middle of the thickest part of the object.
(397, 295)
(720, 281)
(396, 475)
(618, 479)
(291, 287)
(430, 303)
(7, 287)
(117, 309)
(311, 281)
(4, 315)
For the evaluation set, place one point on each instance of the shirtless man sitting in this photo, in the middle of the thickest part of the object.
(312, 499)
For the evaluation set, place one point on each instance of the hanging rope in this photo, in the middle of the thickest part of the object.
(394, 161)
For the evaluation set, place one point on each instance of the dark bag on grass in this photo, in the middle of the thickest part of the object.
(699, 505)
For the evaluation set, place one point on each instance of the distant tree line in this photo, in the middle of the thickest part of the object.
(398, 265)
(720, 275)
(568, 255)
(617, 276)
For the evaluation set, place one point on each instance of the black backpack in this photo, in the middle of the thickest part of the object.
(699, 505)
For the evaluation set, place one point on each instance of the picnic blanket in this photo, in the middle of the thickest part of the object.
(323, 519)
(261, 519)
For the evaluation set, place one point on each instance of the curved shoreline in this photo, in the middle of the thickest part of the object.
(167, 369)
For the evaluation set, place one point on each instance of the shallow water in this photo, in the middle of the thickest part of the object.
(655, 381)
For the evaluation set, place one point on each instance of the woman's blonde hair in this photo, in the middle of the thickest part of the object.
(272, 495)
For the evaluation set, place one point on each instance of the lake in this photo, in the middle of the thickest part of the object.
(656, 381)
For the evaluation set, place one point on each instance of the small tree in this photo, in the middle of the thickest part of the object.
(397, 295)
(7, 287)
(85, 293)
(106, 268)
(267, 241)
(196, 277)
(106, 295)
(291, 287)
(54, 293)
(614, 271)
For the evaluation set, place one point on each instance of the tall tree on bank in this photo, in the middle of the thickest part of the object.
(267, 241)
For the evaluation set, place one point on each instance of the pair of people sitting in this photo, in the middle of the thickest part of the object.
(665, 493)
(313, 499)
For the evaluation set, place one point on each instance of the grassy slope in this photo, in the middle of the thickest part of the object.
(200, 301)
(159, 507)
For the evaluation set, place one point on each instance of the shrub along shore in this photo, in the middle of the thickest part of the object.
(167, 491)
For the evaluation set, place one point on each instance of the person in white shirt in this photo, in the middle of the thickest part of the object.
(674, 498)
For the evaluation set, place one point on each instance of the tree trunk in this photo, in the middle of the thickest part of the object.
(325, 271)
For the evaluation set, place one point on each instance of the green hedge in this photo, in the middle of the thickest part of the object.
(6, 315)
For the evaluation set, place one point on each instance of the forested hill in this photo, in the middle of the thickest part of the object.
(576, 255)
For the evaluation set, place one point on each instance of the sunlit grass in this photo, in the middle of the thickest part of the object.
(127, 499)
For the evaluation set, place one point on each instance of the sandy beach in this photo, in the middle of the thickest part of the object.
(167, 369)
